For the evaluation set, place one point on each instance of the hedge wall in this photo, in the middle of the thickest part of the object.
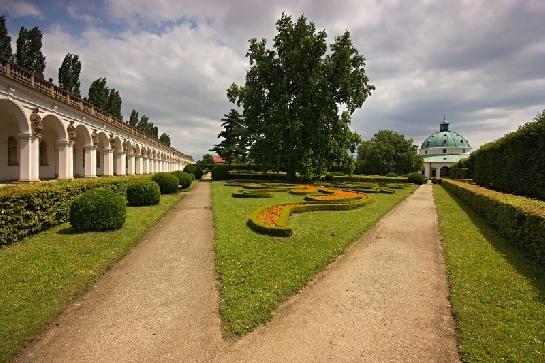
(519, 219)
(31, 208)
(515, 163)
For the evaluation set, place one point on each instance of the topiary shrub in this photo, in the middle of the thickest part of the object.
(145, 192)
(195, 170)
(416, 178)
(184, 178)
(98, 210)
(220, 172)
(435, 181)
(168, 183)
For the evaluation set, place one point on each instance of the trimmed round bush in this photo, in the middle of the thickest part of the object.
(195, 170)
(168, 183)
(184, 178)
(220, 172)
(145, 192)
(98, 210)
(416, 178)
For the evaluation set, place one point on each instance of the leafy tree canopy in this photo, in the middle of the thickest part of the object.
(388, 152)
(207, 159)
(113, 106)
(133, 119)
(234, 145)
(5, 39)
(29, 51)
(69, 74)
(298, 98)
(164, 139)
(98, 93)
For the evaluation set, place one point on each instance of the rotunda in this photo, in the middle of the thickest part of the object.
(442, 149)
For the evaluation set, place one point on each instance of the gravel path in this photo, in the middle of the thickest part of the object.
(385, 299)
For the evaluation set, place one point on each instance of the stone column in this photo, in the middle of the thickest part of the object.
(130, 163)
(29, 157)
(108, 167)
(90, 161)
(138, 168)
(66, 162)
(120, 164)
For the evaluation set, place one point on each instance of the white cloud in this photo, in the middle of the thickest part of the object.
(19, 8)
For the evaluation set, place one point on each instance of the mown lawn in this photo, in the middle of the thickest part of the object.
(497, 293)
(257, 272)
(41, 275)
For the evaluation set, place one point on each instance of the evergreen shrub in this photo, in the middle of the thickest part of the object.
(98, 210)
(168, 183)
(416, 178)
(145, 192)
(220, 172)
(195, 170)
(184, 178)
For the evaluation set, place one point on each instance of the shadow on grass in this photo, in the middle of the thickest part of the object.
(67, 230)
(520, 260)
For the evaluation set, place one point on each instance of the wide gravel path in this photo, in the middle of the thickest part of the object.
(385, 299)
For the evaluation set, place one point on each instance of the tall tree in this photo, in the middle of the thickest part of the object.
(143, 124)
(98, 94)
(298, 98)
(388, 152)
(133, 119)
(69, 74)
(113, 105)
(5, 39)
(29, 51)
(164, 139)
(234, 144)
(155, 132)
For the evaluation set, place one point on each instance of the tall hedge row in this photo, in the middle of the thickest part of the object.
(29, 209)
(519, 219)
(514, 163)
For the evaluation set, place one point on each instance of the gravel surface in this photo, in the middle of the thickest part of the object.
(385, 299)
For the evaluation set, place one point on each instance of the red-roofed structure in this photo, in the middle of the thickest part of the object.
(218, 159)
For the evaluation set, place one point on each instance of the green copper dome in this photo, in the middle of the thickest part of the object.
(445, 138)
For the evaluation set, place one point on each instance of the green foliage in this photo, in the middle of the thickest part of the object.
(184, 178)
(435, 181)
(164, 139)
(145, 192)
(29, 51)
(113, 105)
(168, 183)
(234, 145)
(195, 170)
(98, 210)
(133, 119)
(391, 175)
(293, 96)
(220, 172)
(519, 219)
(28, 209)
(388, 152)
(98, 94)
(252, 194)
(147, 127)
(5, 39)
(69, 74)
(416, 178)
(515, 163)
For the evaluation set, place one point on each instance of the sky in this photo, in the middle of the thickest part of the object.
(479, 63)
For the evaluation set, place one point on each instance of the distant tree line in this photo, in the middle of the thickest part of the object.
(29, 56)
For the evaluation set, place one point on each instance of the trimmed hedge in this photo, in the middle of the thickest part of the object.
(168, 183)
(27, 209)
(98, 210)
(416, 178)
(195, 170)
(145, 192)
(220, 172)
(282, 229)
(184, 178)
(519, 219)
(514, 163)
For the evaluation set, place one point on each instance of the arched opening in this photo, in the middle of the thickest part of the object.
(444, 171)
(82, 140)
(103, 155)
(12, 123)
(49, 155)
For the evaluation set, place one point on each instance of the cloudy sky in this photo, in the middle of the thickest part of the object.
(480, 63)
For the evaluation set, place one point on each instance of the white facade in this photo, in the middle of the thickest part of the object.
(46, 133)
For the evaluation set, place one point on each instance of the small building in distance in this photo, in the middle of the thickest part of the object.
(218, 159)
(442, 149)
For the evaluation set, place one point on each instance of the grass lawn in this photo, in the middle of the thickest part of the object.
(42, 274)
(257, 272)
(497, 293)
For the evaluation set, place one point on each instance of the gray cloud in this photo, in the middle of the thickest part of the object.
(480, 63)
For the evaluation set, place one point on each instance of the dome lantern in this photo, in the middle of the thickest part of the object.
(443, 126)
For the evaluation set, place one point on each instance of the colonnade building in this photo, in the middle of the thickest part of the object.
(47, 133)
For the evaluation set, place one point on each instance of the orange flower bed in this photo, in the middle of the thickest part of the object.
(339, 194)
(271, 215)
(305, 189)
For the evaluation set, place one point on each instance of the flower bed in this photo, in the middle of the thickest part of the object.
(304, 189)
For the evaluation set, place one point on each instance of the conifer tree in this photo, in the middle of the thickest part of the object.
(29, 51)
(69, 74)
(133, 120)
(5, 39)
